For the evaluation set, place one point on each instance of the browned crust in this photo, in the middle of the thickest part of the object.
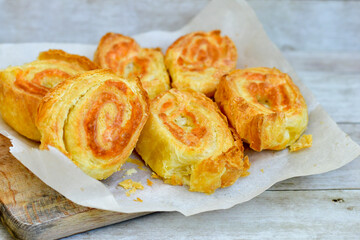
(53, 112)
(116, 51)
(109, 38)
(51, 97)
(18, 109)
(19, 98)
(221, 170)
(58, 54)
(260, 127)
(182, 51)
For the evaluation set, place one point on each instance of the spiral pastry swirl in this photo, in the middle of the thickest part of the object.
(124, 56)
(198, 60)
(186, 140)
(94, 118)
(264, 106)
(23, 87)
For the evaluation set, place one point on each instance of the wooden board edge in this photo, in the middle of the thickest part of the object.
(59, 228)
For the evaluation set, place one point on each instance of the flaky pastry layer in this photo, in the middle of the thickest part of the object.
(198, 60)
(124, 56)
(94, 118)
(23, 87)
(186, 140)
(264, 106)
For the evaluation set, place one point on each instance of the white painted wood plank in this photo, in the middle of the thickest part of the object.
(338, 93)
(280, 215)
(330, 214)
(334, 78)
(347, 177)
(85, 21)
(331, 62)
(292, 24)
(311, 25)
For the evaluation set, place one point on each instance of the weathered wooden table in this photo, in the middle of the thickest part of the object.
(321, 40)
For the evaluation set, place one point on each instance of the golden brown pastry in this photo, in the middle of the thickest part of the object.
(125, 57)
(305, 141)
(186, 140)
(23, 87)
(95, 119)
(198, 60)
(264, 106)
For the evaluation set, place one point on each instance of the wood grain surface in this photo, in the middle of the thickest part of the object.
(320, 38)
(32, 210)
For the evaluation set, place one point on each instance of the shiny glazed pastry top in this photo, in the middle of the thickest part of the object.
(264, 106)
(95, 119)
(186, 140)
(198, 60)
(23, 87)
(125, 57)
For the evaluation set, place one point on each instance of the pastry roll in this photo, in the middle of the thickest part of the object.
(198, 60)
(22, 87)
(125, 57)
(186, 140)
(264, 106)
(95, 119)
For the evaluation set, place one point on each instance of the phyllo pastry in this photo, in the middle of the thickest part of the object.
(125, 57)
(23, 87)
(198, 60)
(94, 118)
(186, 140)
(264, 106)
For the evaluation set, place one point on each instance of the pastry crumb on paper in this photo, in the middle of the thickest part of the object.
(149, 183)
(138, 200)
(305, 141)
(246, 166)
(130, 184)
(130, 172)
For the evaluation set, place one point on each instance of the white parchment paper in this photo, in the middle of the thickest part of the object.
(331, 148)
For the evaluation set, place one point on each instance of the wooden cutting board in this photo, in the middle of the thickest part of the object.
(31, 210)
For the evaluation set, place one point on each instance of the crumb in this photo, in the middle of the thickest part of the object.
(154, 175)
(262, 170)
(304, 141)
(246, 167)
(130, 172)
(130, 184)
(131, 191)
(138, 200)
(150, 183)
(137, 162)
